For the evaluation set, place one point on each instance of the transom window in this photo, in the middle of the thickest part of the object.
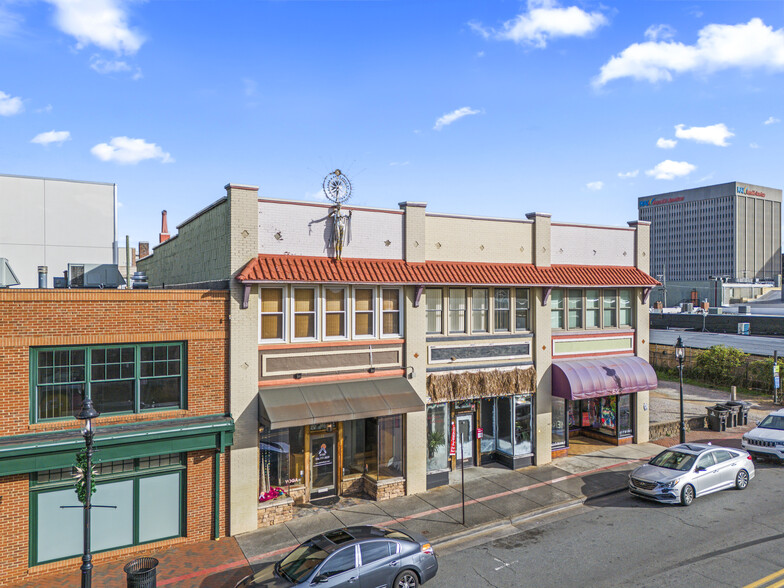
(302, 313)
(118, 379)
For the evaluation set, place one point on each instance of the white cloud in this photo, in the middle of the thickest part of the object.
(103, 23)
(396, 163)
(451, 117)
(594, 186)
(544, 20)
(753, 145)
(9, 22)
(51, 137)
(45, 110)
(10, 105)
(772, 121)
(662, 31)
(663, 143)
(668, 169)
(631, 174)
(712, 134)
(127, 150)
(746, 46)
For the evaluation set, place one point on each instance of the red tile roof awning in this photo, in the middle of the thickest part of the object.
(578, 379)
(295, 268)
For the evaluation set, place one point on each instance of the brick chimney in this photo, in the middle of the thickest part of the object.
(164, 235)
(144, 249)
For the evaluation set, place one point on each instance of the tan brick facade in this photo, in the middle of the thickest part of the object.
(31, 318)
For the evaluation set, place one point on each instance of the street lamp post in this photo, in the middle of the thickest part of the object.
(680, 352)
(87, 414)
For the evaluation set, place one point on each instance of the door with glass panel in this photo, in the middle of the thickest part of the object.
(465, 436)
(322, 462)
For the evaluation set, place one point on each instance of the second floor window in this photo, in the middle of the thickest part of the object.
(334, 312)
(557, 309)
(304, 313)
(364, 306)
(502, 310)
(575, 309)
(118, 379)
(521, 310)
(272, 309)
(593, 319)
(433, 306)
(625, 308)
(457, 310)
(390, 311)
(480, 307)
(610, 307)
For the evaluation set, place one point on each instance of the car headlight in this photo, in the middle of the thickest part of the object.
(744, 439)
(670, 484)
(779, 443)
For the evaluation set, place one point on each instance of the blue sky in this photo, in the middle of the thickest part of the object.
(483, 107)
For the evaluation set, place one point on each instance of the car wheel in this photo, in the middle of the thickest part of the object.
(406, 579)
(687, 495)
(742, 480)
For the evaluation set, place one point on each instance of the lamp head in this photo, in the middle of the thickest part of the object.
(87, 412)
(680, 350)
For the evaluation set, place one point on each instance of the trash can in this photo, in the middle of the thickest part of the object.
(140, 573)
(732, 417)
(743, 408)
(717, 417)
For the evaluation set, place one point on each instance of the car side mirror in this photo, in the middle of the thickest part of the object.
(320, 579)
(700, 469)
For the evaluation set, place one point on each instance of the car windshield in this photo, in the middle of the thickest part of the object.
(300, 562)
(772, 422)
(673, 460)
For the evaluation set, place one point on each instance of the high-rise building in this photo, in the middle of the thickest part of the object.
(730, 231)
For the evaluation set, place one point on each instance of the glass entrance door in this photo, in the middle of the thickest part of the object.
(465, 438)
(322, 461)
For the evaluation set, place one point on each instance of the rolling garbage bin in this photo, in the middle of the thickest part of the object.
(140, 573)
(717, 417)
(743, 407)
(732, 417)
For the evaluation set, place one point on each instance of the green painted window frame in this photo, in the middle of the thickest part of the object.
(136, 475)
(87, 381)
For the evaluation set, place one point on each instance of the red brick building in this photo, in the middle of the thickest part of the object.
(154, 364)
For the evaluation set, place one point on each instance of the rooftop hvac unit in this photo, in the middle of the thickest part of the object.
(94, 275)
(687, 307)
(7, 275)
(743, 329)
(744, 309)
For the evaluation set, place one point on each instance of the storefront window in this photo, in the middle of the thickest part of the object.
(601, 414)
(390, 447)
(488, 425)
(625, 415)
(505, 418)
(282, 458)
(559, 422)
(479, 310)
(371, 448)
(522, 429)
(437, 437)
(556, 309)
(354, 447)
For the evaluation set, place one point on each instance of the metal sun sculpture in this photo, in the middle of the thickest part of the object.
(337, 188)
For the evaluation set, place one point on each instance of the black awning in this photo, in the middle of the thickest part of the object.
(296, 406)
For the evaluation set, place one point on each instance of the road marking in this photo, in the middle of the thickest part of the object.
(504, 564)
(767, 579)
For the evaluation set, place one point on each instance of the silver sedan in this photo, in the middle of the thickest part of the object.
(683, 472)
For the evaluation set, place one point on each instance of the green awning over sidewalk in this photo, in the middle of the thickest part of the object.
(33, 452)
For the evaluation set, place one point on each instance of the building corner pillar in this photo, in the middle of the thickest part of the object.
(541, 237)
(543, 358)
(642, 261)
(414, 218)
(243, 242)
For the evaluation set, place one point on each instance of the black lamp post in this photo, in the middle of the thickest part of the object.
(87, 414)
(680, 352)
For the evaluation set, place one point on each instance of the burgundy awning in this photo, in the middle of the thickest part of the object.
(576, 379)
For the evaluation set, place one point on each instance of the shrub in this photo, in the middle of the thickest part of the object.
(721, 365)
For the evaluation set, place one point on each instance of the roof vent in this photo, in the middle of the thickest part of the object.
(7, 275)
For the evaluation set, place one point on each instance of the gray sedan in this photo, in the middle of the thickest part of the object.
(686, 471)
(352, 557)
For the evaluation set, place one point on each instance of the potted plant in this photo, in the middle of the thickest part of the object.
(435, 439)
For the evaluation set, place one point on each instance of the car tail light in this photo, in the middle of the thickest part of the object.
(427, 548)
(749, 457)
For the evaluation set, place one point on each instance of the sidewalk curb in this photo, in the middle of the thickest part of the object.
(510, 522)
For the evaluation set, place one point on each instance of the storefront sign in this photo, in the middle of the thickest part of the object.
(323, 457)
(479, 433)
(453, 441)
(586, 419)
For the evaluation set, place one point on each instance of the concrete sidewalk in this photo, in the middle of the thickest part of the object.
(494, 497)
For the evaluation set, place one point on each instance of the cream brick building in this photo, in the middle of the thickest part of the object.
(437, 338)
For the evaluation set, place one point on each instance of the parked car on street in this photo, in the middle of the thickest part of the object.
(767, 439)
(352, 557)
(684, 472)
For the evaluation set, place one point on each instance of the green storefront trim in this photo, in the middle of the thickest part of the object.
(34, 452)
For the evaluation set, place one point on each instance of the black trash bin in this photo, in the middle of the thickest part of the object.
(733, 416)
(717, 417)
(743, 408)
(140, 573)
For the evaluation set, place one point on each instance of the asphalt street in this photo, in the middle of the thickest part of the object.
(730, 538)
